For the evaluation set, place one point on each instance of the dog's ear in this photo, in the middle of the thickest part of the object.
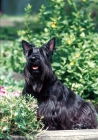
(26, 45)
(51, 44)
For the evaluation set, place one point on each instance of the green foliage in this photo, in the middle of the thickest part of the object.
(28, 32)
(11, 56)
(8, 33)
(7, 80)
(17, 116)
(76, 58)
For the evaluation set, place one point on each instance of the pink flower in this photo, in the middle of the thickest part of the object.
(16, 93)
(2, 91)
(0, 13)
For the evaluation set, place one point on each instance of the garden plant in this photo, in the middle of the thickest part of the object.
(17, 116)
(75, 61)
(76, 57)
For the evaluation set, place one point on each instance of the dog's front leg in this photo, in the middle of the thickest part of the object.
(27, 89)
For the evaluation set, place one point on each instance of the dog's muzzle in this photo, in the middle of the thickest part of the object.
(35, 62)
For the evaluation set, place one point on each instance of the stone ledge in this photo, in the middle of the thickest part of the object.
(87, 134)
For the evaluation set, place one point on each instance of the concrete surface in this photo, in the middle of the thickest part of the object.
(90, 134)
(86, 134)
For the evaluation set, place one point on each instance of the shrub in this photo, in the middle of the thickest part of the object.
(7, 80)
(12, 58)
(8, 33)
(17, 116)
(76, 58)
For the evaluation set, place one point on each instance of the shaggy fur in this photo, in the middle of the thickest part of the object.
(59, 106)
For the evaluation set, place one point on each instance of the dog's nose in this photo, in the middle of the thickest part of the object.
(34, 58)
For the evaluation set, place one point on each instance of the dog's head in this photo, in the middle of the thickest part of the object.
(38, 59)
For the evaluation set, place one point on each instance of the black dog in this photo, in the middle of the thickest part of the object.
(59, 107)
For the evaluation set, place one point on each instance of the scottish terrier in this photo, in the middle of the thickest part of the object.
(58, 106)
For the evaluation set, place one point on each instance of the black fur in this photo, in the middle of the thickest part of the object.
(59, 106)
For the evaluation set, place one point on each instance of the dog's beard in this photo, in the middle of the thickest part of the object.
(37, 78)
(37, 86)
(46, 72)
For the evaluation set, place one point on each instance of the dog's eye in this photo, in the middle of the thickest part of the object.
(30, 52)
(47, 53)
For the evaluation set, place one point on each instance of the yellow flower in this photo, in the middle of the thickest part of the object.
(69, 41)
(83, 0)
(77, 55)
(71, 63)
(53, 24)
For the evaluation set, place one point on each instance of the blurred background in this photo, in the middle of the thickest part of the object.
(14, 7)
(12, 15)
